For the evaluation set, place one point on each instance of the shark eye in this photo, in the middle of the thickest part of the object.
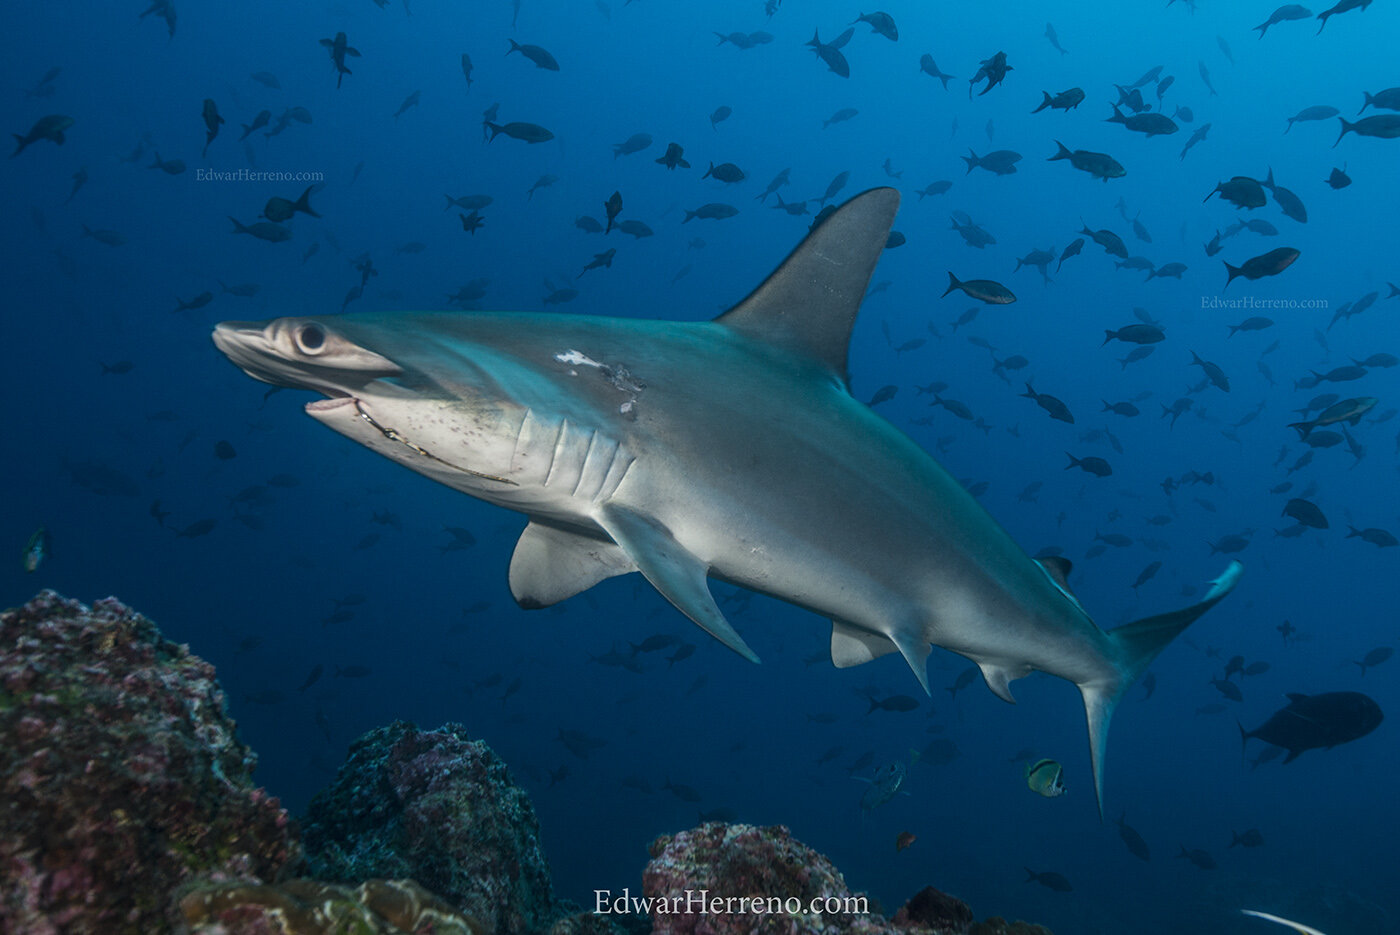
(311, 339)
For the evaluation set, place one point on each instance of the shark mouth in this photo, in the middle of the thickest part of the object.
(320, 408)
(334, 402)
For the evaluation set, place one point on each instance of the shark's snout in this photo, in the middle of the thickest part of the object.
(301, 353)
(245, 343)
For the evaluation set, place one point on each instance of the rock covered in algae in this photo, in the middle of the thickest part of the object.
(121, 776)
(996, 925)
(309, 907)
(738, 861)
(802, 892)
(935, 910)
(440, 808)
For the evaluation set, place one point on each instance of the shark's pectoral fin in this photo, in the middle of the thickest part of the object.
(852, 646)
(550, 565)
(672, 570)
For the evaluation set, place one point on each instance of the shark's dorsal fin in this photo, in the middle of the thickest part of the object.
(550, 565)
(1057, 568)
(809, 303)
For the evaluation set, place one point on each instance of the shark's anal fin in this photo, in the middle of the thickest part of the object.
(999, 677)
(680, 576)
(551, 564)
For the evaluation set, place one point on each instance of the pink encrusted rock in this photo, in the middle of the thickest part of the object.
(121, 776)
(734, 861)
(440, 808)
(724, 862)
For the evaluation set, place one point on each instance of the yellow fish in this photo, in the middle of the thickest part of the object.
(1046, 777)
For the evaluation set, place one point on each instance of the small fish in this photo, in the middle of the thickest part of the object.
(613, 206)
(534, 53)
(518, 130)
(633, 144)
(714, 211)
(339, 48)
(1054, 406)
(1049, 879)
(725, 172)
(1374, 658)
(212, 122)
(1267, 264)
(280, 209)
(1046, 778)
(38, 548)
(903, 840)
(673, 157)
(52, 128)
(1199, 857)
(410, 101)
(263, 230)
(1312, 722)
(984, 290)
(929, 67)
(312, 677)
(263, 118)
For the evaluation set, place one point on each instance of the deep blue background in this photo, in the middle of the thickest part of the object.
(743, 737)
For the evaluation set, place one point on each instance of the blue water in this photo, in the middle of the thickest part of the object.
(253, 600)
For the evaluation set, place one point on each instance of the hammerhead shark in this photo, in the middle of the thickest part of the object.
(729, 448)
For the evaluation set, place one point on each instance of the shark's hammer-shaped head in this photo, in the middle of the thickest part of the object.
(385, 388)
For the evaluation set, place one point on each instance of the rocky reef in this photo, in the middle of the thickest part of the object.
(308, 907)
(121, 776)
(440, 808)
(127, 808)
(792, 889)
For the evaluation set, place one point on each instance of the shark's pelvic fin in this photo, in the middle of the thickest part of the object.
(672, 570)
(551, 564)
(1133, 647)
(853, 646)
(809, 303)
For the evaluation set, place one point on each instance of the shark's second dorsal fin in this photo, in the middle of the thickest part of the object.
(809, 303)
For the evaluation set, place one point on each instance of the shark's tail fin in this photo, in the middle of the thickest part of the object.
(1134, 646)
